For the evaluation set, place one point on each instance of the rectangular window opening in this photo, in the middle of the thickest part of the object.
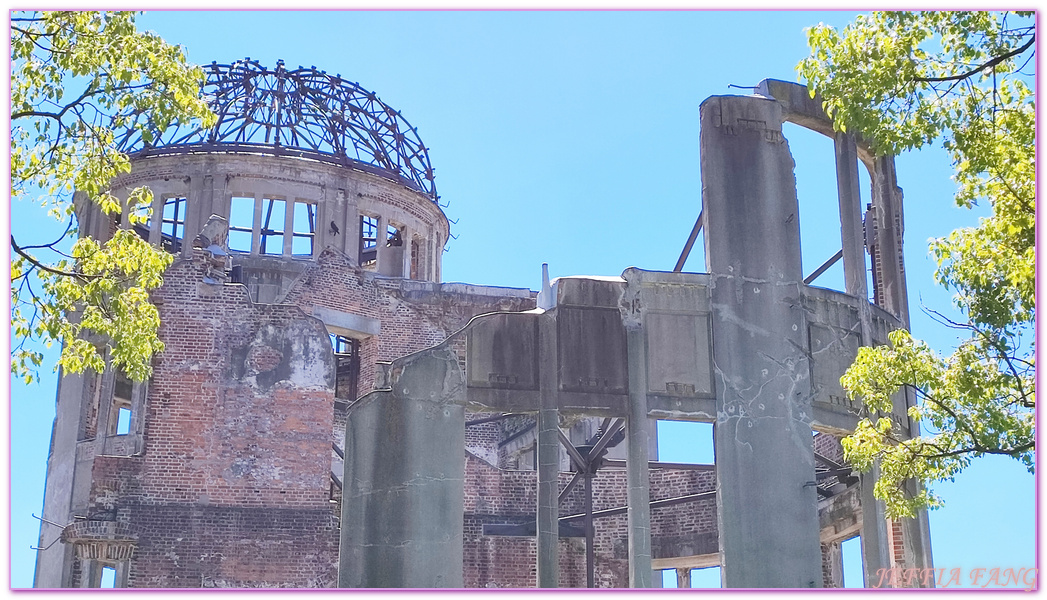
(851, 557)
(123, 420)
(241, 223)
(705, 578)
(143, 221)
(303, 231)
(347, 366)
(272, 240)
(393, 237)
(108, 578)
(120, 413)
(368, 241)
(685, 442)
(172, 224)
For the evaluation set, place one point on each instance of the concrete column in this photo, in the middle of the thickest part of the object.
(405, 237)
(851, 229)
(403, 500)
(637, 476)
(548, 455)
(154, 220)
(381, 255)
(683, 578)
(288, 226)
(256, 227)
(197, 210)
(887, 200)
(350, 242)
(874, 529)
(54, 565)
(766, 498)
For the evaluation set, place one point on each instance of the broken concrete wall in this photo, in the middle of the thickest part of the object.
(404, 468)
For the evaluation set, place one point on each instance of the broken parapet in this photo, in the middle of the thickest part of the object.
(403, 499)
(214, 240)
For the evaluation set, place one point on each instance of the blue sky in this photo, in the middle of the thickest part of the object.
(572, 138)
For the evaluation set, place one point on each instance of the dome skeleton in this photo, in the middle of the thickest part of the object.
(302, 112)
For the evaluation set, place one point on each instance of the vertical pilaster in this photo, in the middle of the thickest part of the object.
(381, 253)
(548, 456)
(637, 474)
(405, 241)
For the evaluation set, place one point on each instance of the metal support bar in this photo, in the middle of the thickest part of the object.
(581, 461)
(690, 242)
(828, 461)
(825, 267)
(338, 451)
(621, 464)
(621, 510)
(570, 486)
(489, 419)
(609, 433)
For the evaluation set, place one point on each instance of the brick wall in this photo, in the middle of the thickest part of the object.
(496, 496)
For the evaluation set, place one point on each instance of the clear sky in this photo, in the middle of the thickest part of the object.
(572, 138)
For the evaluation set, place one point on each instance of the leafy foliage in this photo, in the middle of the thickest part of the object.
(902, 80)
(81, 81)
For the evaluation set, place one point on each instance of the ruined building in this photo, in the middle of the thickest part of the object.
(327, 412)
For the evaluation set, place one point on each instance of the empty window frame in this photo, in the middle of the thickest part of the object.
(241, 223)
(393, 236)
(303, 229)
(272, 231)
(108, 578)
(347, 366)
(144, 221)
(120, 413)
(368, 241)
(172, 224)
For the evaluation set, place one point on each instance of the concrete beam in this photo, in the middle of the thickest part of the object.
(348, 324)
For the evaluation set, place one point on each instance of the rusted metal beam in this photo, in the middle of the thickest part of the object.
(654, 504)
(690, 242)
(581, 461)
(609, 433)
(825, 267)
(490, 419)
(570, 486)
(617, 463)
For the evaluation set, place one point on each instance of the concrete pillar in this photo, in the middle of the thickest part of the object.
(887, 200)
(403, 499)
(405, 237)
(766, 496)
(54, 565)
(381, 254)
(683, 578)
(851, 229)
(350, 242)
(875, 548)
(548, 456)
(288, 226)
(637, 474)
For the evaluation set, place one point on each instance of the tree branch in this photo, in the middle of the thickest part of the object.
(992, 63)
(18, 250)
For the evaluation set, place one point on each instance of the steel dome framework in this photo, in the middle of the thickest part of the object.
(302, 112)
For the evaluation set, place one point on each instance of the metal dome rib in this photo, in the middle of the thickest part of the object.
(301, 112)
